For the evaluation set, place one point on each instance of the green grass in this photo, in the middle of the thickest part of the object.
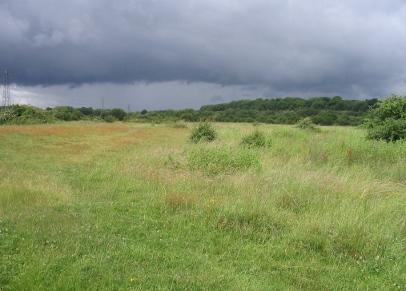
(126, 206)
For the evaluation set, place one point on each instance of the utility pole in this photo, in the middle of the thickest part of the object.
(6, 90)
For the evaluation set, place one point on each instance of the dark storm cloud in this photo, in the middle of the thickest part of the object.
(327, 47)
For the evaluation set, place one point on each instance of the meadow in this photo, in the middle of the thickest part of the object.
(128, 206)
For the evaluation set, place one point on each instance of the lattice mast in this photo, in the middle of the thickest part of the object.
(6, 90)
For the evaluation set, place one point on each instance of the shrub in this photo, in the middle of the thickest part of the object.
(393, 107)
(204, 131)
(109, 118)
(24, 114)
(388, 120)
(307, 124)
(254, 140)
(6, 116)
(389, 130)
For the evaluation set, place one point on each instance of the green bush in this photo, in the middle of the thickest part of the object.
(388, 122)
(7, 115)
(109, 118)
(307, 124)
(392, 107)
(389, 130)
(204, 131)
(256, 139)
(25, 114)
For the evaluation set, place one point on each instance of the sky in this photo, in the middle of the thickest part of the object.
(161, 54)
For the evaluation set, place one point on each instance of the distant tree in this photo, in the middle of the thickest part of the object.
(371, 102)
(325, 118)
(86, 110)
(360, 106)
(289, 110)
(66, 113)
(319, 102)
(118, 113)
(337, 103)
(188, 114)
(343, 121)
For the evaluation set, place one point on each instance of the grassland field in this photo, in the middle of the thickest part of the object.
(127, 206)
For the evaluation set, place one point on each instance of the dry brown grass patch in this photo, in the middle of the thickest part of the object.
(74, 129)
(179, 201)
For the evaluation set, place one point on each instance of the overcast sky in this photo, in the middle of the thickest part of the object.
(161, 54)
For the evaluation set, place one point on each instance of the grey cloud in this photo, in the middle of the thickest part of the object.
(352, 48)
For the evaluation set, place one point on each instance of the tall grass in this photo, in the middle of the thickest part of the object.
(129, 206)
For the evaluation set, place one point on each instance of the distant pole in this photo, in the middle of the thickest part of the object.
(6, 90)
(128, 108)
(102, 109)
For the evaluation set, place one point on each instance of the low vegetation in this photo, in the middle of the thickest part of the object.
(257, 139)
(320, 110)
(307, 124)
(221, 159)
(25, 114)
(204, 132)
(131, 206)
(388, 120)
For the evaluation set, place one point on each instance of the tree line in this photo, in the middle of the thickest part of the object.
(289, 110)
